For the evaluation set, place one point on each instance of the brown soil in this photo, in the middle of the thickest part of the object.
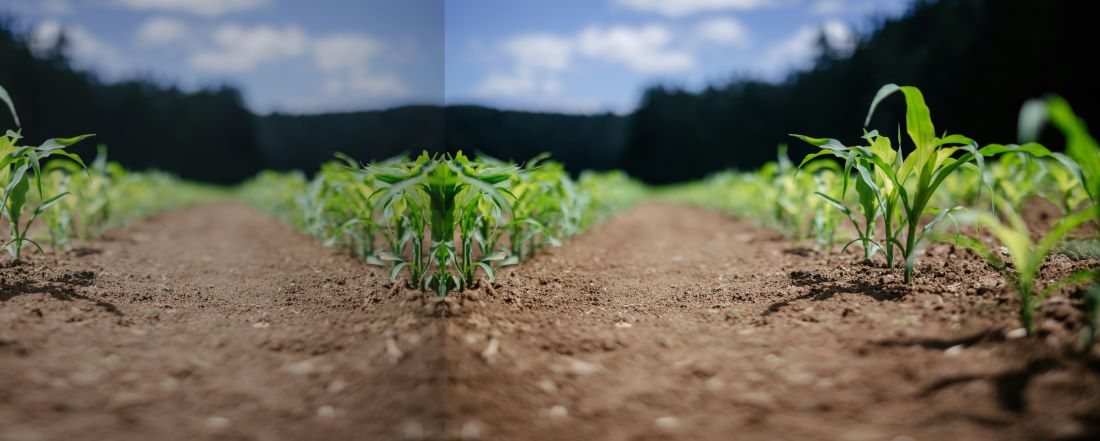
(669, 322)
(213, 322)
(664, 322)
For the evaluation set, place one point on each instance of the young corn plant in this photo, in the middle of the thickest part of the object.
(541, 212)
(1082, 158)
(1081, 147)
(869, 210)
(59, 221)
(20, 173)
(1026, 256)
(904, 186)
(87, 212)
(449, 192)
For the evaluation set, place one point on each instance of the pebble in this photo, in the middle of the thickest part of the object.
(304, 367)
(547, 385)
(667, 423)
(1016, 333)
(326, 412)
(336, 386)
(623, 325)
(471, 430)
(413, 431)
(217, 423)
(953, 351)
(558, 411)
(581, 367)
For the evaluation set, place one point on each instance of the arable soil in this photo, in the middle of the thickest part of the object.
(214, 322)
(664, 322)
(669, 322)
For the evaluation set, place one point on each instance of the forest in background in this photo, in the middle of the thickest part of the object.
(977, 61)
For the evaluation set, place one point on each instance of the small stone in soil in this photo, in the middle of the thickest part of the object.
(217, 423)
(667, 422)
(547, 385)
(581, 367)
(558, 411)
(953, 351)
(413, 431)
(471, 430)
(1016, 333)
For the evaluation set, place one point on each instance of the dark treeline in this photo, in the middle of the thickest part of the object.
(207, 135)
(579, 141)
(977, 61)
(305, 141)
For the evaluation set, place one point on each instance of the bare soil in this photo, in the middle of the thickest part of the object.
(668, 322)
(215, 322)
(665, 322)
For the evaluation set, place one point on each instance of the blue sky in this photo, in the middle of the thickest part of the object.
(598, 55)
(576, 56)
(297, 56)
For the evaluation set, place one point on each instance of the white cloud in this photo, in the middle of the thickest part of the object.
(839, 35)
(84, 48)
(241, 49)
(725, 31)
(57, 7)
(643, 49)
(518, 83)
(828, 6)
(798, 50)
(679, 8)
(158, 31)
(540, 51)
(347, 62)
(206, 8)
(344, 51)
(536, 58)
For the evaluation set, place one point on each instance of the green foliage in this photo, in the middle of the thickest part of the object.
(901, 188)
(105, 195)
(1026, 256)
(442, 220)
(20, 173)
(1082, 161)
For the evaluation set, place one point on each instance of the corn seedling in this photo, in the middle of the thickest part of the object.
(903, 186)
(21, 172)
(1082, 159)
(1025, 256)
(450, 193)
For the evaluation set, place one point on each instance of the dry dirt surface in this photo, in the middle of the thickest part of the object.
(668, 322)
(214, 322)
(664, 322)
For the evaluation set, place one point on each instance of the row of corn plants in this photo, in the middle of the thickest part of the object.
(894, 195)
(442, 222)
(51, 196)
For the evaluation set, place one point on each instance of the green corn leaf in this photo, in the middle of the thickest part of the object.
(488, 270)
(11, 106)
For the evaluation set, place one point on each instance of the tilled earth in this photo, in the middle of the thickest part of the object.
(664, 322)
(213, 322)
(667, 322)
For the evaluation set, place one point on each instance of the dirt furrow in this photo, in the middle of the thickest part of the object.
(669, 322)
(216, 322)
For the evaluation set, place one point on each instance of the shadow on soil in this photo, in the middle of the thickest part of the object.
(61, 290)
(823, 288)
